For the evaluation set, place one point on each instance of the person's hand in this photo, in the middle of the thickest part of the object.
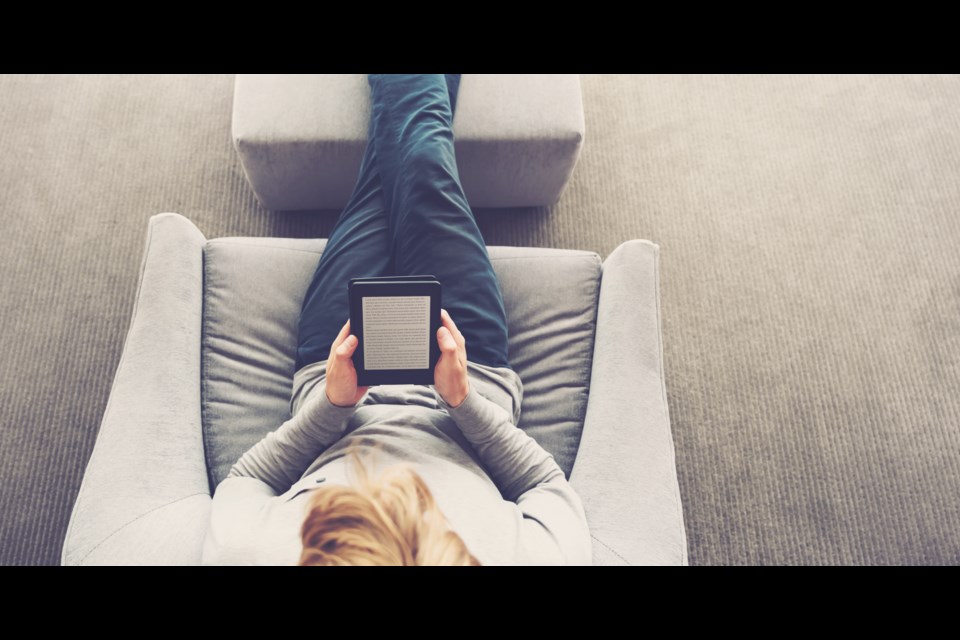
(450, 375)
(342, 389)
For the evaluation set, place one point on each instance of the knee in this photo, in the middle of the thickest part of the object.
(428, 159)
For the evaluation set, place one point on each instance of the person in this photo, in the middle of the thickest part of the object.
(402, 474)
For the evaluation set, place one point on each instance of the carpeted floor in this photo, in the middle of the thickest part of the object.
(809, 229)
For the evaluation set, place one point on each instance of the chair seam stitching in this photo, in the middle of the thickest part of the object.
(142, 515)
(123, 359)
(610, 549)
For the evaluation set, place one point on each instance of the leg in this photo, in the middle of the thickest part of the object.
(432, 227)
(359, 246)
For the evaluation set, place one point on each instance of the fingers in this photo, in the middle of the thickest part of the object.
(344, 344)
(446, 341)
(347, 347)
(448, 323)
(450, 375)
(344, 332)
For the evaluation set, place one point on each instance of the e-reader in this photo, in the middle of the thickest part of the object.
(396, 319)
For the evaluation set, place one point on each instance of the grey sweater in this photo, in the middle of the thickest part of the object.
(500, 490)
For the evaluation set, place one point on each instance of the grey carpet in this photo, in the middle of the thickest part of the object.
(810, 276)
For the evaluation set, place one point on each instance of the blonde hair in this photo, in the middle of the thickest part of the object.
(392, 520)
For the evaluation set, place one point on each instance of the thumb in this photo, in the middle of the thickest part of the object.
(445, 339)
(347, 347)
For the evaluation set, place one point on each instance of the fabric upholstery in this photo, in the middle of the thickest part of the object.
(148, 460)
(300, 137)
(627, 442)
(207, 369)
(254, 289)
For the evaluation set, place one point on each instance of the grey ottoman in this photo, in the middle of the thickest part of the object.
(301, 137)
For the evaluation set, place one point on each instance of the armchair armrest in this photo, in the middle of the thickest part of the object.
(625, 470)
(145, 497)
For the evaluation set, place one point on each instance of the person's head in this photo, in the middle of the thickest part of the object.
(391, 520)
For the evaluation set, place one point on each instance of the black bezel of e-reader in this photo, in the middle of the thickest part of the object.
(419, 285)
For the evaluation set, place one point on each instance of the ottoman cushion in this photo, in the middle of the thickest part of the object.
(301, 137)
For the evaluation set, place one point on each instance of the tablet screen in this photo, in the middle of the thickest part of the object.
(396, 332)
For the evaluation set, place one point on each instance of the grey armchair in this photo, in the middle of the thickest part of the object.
(207, 369)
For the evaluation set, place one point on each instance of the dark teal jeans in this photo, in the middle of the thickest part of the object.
(408, 216)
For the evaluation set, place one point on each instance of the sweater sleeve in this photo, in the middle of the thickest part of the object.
(554, 527)
(280, 458)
